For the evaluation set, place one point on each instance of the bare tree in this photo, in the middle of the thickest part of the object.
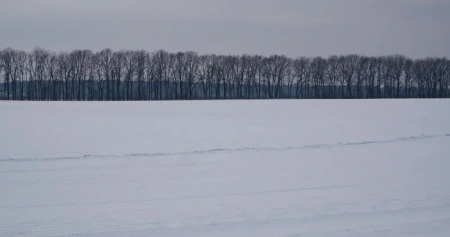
(371, 73)
(141, 61)
(207, 67)
(7, 64)
(139, 75)
(332, 74)
(348, 67)
(361, 75)
(301, 75)
(318, 69)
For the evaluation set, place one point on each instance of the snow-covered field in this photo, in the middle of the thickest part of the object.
(226, 168)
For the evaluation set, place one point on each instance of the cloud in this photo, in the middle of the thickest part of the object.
(415, 28)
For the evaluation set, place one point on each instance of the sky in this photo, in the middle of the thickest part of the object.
(414, 28)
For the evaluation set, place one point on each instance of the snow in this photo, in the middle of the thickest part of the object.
(225, 168)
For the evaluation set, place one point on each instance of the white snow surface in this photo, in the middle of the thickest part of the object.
(225, 168)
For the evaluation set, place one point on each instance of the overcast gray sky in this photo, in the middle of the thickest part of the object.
(415, 28)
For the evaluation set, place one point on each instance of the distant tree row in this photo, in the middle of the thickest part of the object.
(140, 75)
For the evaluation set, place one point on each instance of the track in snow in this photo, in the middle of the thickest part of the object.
(227, 150)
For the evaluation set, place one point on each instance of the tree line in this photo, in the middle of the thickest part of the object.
(106, 75)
